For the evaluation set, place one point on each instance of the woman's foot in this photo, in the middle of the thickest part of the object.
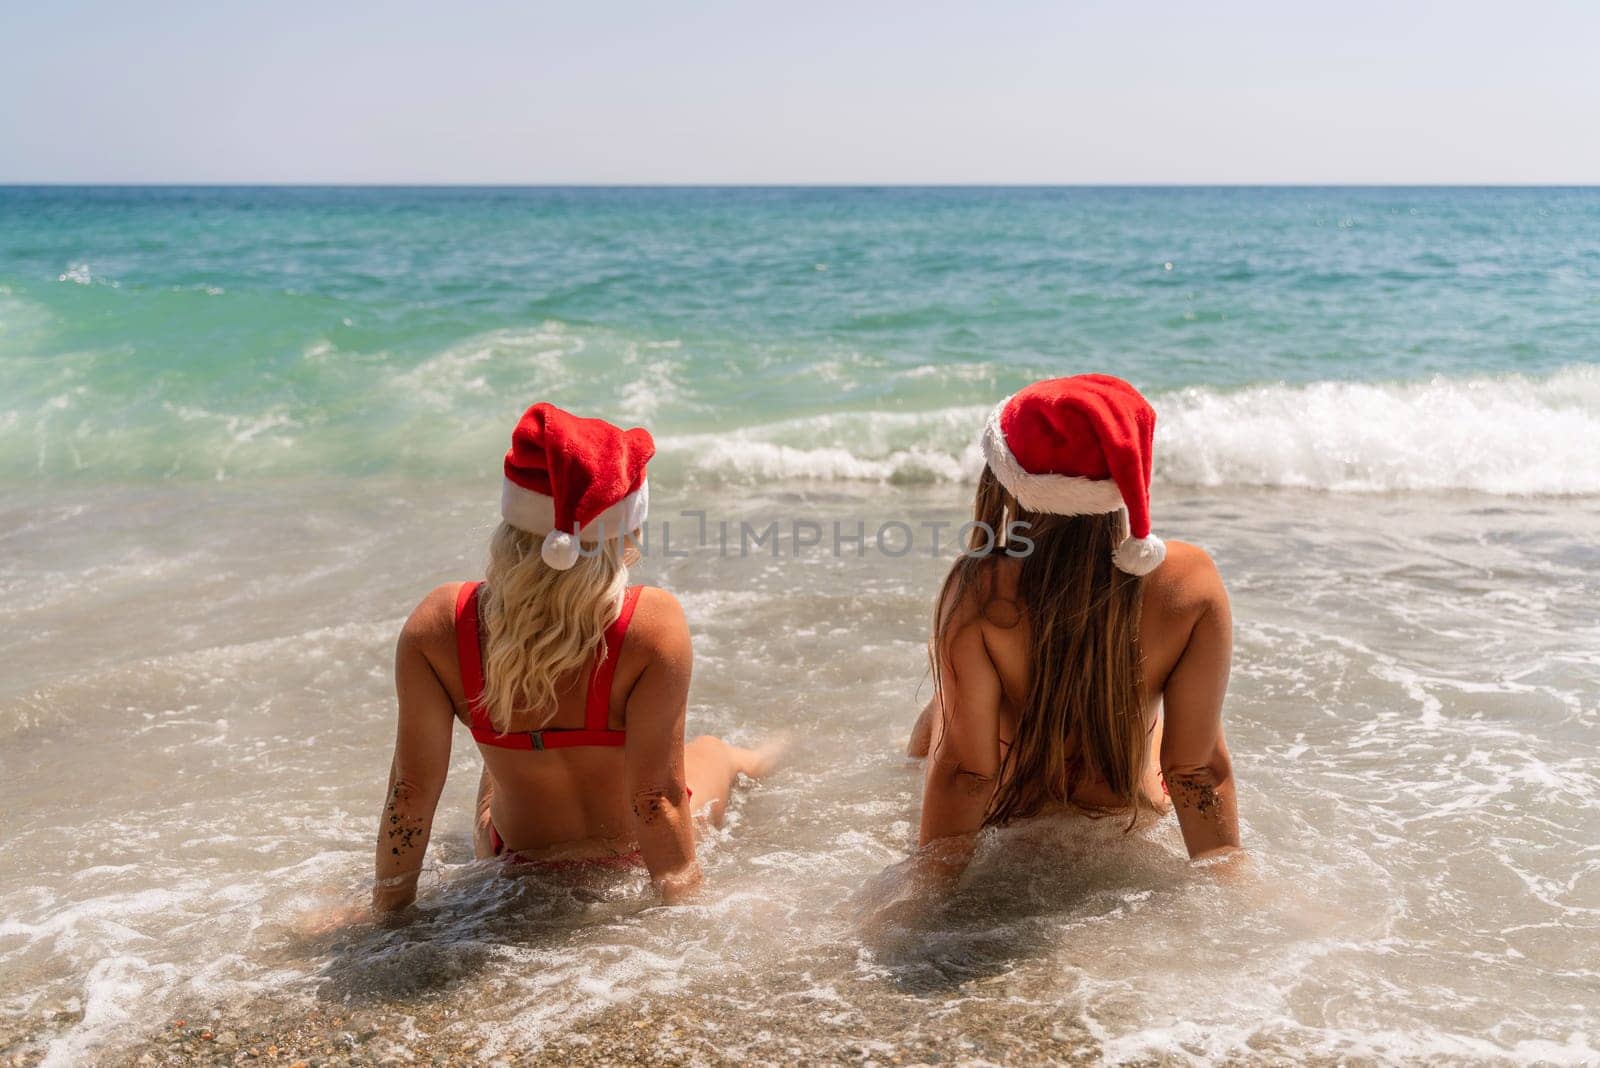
(763, 760)
(712, 766)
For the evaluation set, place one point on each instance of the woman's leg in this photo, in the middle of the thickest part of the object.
(1155, 787)
(482, 846)
(922, 731)
(710, 767)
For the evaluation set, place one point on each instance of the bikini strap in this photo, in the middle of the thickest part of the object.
(470, 654)
(597, 712)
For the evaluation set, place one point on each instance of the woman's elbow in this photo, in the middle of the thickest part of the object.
(1212, 771)
(414, 796)
(406, 788)
(653, 803)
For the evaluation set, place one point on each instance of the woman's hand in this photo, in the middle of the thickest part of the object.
(680, 886)
(330, 919)
(393, 895)
(908, 894)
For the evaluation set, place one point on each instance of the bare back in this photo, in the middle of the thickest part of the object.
(571, 801)
(1186, 642)
(1174, 596)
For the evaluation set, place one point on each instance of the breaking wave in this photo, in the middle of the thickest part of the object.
(1506, 434)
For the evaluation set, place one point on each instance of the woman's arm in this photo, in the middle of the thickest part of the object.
(1194, 754)
(653, 757)
(421, 758)
(964, 750)
(963, 763)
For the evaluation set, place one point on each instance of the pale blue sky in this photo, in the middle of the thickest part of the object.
(648, 92)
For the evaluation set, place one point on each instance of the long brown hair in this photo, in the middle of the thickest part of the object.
(1083, 718)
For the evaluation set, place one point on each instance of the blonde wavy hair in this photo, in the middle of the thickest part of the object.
(541, 624)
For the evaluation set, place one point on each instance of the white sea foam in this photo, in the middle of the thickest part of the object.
(482, 365)
(654, 388)
(1508, 434)
(239, 763)
(843, 447)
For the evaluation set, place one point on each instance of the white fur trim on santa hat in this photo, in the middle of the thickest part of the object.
(1054, 494)
(536, 514)
(1140, 556)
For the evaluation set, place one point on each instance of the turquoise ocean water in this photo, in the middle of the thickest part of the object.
(170, 333)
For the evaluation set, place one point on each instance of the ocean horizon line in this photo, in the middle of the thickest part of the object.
(642, 186)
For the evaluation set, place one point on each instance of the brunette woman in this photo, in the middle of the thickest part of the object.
(1079, 662)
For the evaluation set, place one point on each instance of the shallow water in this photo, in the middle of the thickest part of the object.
(196, 732)
(242, 431)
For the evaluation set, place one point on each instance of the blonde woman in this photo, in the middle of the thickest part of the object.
(572, 683)
(1079, 662)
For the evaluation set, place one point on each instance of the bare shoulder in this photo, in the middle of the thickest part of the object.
(977, 611)
(964, 735)
(1187, 584)
(431, 627)
(659, 627)
(988, 598)
(658, 649)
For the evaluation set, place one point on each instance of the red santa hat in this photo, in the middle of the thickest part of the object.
(1080, 446)
(573, 480)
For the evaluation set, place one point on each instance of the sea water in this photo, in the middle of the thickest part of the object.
(242, 431)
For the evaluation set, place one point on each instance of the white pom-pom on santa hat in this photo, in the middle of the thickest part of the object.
(559, 550)
(1080, 446)
(574, 481)
(1140, 556)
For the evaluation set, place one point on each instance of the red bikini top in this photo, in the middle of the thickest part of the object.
(596, 728)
